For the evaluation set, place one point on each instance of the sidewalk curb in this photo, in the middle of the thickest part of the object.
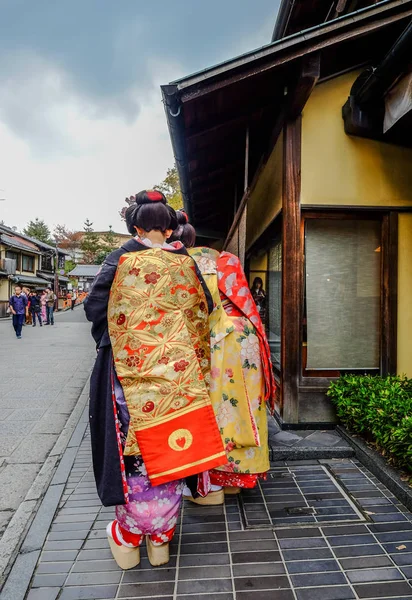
(380, 467)
(24, 536)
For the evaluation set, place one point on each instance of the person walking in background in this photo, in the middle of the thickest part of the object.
(26, 292)
(74, 298)
(259, 296)
(43, 303)
(35, 308)
(50, 300)
(18, 306)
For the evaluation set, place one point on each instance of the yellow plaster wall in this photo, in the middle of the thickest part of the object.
(338, 169)
(405, 295)
(265, 201)
(4, 289)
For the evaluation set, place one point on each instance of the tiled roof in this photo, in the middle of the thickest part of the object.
(85, 271)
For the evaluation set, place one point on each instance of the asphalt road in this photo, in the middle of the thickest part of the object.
(41, 378)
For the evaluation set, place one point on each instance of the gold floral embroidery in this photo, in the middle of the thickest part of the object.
(158, 325)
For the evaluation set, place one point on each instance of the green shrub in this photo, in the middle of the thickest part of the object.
(379, 408)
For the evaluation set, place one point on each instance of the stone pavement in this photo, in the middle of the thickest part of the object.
(41, 379)
(316, 530)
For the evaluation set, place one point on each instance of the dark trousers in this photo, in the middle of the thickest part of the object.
(73, 303)
(18, 321)
(50, 314)
(35, 314)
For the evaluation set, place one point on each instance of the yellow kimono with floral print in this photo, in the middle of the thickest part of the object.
(237, 387)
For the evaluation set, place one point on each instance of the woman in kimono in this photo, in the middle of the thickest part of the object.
(151, 419)
(242, 381)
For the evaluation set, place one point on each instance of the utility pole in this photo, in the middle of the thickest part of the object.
(56, 279)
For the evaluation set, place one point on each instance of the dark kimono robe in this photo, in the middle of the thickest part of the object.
(107, 460)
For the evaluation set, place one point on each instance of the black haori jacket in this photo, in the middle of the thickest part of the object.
(105, 448)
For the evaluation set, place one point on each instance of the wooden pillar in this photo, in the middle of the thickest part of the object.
(291, 270)
(389, 299)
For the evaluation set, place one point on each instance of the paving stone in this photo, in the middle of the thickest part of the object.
(43, 594)
(145, 589)
(54, 567)
(94, 578)
(62, 555)
(203, 586)
(206, 559)
(308, 554)
(318, 579)
(312, 566)
(277, 582)
(53, 580)
(204, 548)
(266, 595)
(298, 533)
(373, 575)
(53, 546)
(351, 540)
(204, 572)
(101, 592)
(255, 545)
(255, 557)
(367, 562)
(257, 569)
(203, 538)
(288, 544)
(348, 551)
(150, 575)
(326, 593)
(380, 590)
(99, 566)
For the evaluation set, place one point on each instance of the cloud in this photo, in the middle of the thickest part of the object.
(81, 119)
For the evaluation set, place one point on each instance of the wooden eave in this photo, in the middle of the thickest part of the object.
(209, 113)
(299, 15)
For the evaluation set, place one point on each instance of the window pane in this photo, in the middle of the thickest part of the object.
(343, 294)
(274, 301)
(28, 263)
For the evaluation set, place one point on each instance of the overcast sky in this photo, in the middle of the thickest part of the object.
(81, 119)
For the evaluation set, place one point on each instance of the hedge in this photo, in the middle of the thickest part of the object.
(379, 408)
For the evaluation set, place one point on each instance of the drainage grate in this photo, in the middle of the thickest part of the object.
(301, 495)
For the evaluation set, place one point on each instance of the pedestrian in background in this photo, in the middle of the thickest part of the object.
(259, 296)
(18, 306)
(50, 301)
(35, 308)
(43, 303)
(74, 298)
(26, 292)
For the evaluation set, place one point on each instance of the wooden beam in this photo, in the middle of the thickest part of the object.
(292, 267)
(306, 81)
(309, 77)
(247, 143)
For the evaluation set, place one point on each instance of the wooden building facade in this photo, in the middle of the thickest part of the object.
(297, 157)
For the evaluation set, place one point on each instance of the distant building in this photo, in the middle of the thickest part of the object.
(85, 275)
(28, 262)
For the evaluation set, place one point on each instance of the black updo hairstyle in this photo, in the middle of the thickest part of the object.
(185, 232)
(150, 212)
